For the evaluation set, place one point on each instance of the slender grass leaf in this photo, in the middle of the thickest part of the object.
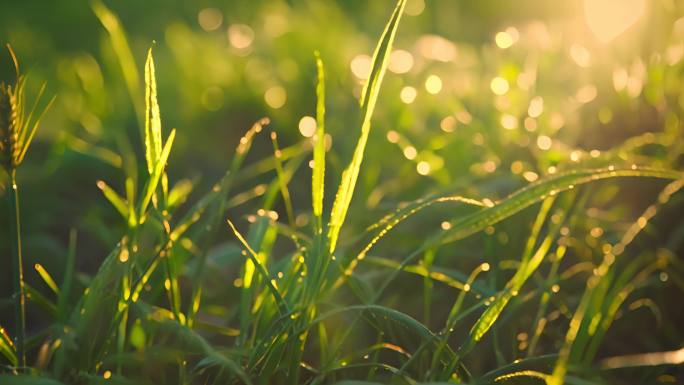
(114, 198)
(47, 278)
(153, 182)
(7, 347)
(122, 50)
(368, 99)
(318, 174)
(538, 191)
(153, 139)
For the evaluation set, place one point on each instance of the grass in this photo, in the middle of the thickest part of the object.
(311, 303)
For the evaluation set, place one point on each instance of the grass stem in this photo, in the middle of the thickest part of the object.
(17, 270)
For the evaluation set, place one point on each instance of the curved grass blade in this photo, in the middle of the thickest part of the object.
(153, 140)
(318, 174)
(197, 342)
(368, 99)
(529, 263)
(114, 198)
(47, 278)
(560, 369)
(122, 50)
(538, 191)
(282, 305)
(7, 347)
(392, 220)
(156, 174)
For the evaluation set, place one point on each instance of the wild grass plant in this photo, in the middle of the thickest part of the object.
(286, 303)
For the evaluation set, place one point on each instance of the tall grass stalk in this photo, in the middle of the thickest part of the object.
(17, 270)
(16, 133)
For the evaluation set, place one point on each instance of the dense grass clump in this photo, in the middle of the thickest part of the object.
(515, 284)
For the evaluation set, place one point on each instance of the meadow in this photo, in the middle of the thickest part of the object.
(353, 193)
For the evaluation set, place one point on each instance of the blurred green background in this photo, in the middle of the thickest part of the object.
(482, 98)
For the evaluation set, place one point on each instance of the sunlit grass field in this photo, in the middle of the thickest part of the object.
(302, 192)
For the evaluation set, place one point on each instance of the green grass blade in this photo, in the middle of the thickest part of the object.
(282, 181)
(536, 192)
(114, 198)
(153, 140)
(153, 182)
(368, 99)
(558, 375)
(318, 174)
(7, 347)
(282, 305)
(122, 50)
(68, 280)
(47, 278)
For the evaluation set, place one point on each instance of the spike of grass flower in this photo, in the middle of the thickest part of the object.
(16, 133)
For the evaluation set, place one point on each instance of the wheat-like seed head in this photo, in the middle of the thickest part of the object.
(5, 112)
(16, 128)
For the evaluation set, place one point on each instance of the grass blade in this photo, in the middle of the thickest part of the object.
(153, 182)
(318, 175)
(67, 281)
(7, 347)
(114, 198)
(153, 141)
(536, 192)
(368, 99)
(122, 50)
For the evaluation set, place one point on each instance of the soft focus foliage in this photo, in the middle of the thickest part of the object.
(513, 215)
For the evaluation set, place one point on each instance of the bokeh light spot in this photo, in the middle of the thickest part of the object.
(499, 85)
(275, 97)
(401, 61)
(408, 94)
(210, 19)
(240, 36)
(433, 84)
(307, 126)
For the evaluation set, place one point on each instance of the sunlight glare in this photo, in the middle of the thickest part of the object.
(607, 19)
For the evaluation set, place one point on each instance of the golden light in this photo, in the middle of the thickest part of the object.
(580, 55)
(401, 61)
(307, 126)
(620, 79)
(392, 136)
(360, 66)
(210, 19)
(608, 19)
(499, 85)
(240, 36)
(423, 168)
(435, 47)
(503, 40)
(410, 152)
(536, 107)
(414, 7)
(275, 97)
(509, 122)
(408, 94)
(586, 94)
(530, 176)
(448, 124)
(433, 84)
(544, 142)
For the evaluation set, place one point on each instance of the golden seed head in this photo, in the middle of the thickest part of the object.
(7, 118)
